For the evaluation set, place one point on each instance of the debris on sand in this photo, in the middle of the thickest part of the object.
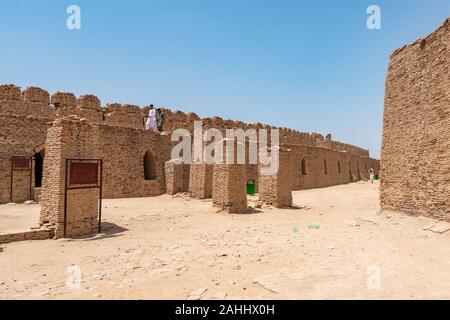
(440, 227)
(266, 285)
(351, 223)
(196, 294)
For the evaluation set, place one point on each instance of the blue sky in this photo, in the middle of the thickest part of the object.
(309, 65)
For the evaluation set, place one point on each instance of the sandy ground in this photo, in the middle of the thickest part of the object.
(164, 248)
(20, 217)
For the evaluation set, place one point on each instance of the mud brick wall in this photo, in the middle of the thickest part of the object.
(229, 186)
(415, 158)
(82, 212)
(229, 190)
(41, 234)
(123, 141)
(200, 180)
(341, 167)
(68, 139)
(123, 150)
(174, 177)
(123, 115)
(19, 137)
(276, 189)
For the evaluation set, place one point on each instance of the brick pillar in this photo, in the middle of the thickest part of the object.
(174, 176)
(276, 190)
(68, 139)
(200, 180)
(229, 191)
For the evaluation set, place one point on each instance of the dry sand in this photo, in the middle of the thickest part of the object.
(167, 248)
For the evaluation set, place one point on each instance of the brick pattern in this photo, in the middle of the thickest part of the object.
(415, 158)
(276, 190)
(39, 234)
(26, 116)
(174, 177)
(68, 140)
(229, 184)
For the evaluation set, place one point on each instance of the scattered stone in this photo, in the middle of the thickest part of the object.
(11, 204)
(196, 294)
(373, 220)
(428, 227)
(101, 275)
(29, 202)
(351, 223)
(441, 227)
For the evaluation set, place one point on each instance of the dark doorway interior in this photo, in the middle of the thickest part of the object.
(38, 169)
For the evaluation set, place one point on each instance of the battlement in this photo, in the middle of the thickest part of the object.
(64, 100)
(36, 102)
(34, 94)
(10, 92)
(89, 102)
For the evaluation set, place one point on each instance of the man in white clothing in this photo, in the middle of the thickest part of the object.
(151, 121)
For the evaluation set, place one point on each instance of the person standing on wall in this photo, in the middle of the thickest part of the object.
(160, 120)
(371, 175)
(151, 121)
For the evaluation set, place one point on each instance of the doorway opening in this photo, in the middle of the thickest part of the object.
(149, 166)
(38, 168)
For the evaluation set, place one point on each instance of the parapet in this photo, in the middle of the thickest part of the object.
(89, 102)
(117, 107)
(35, 102)
(191, 116)
(64, 99)
(34, 94)
(10, 92)
(120, 115)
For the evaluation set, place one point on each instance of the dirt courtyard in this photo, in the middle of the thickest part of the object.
(333, 246)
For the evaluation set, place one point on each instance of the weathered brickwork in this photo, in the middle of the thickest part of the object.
(19, 136)
(229, 191)
(39, 234)
(25, 117)
(415, 159)
(174, 177)
(69, 212)
(229, 183)
(276, 189)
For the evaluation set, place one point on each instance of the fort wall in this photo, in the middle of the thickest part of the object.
(127, 148)
(415, 158)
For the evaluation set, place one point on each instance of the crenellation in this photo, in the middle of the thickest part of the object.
(10, 92)
(27, 116)
(64, 99)
(34, 94)
(89, 102)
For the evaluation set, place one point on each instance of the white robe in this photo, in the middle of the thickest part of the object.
(151, 121)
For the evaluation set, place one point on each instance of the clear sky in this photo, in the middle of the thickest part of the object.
(309, 65)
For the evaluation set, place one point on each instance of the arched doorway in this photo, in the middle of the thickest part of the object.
(149, 166)
(38, 168)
